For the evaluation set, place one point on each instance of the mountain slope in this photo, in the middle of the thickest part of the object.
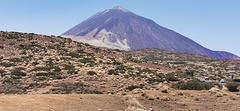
(121, 29)
(32, 63)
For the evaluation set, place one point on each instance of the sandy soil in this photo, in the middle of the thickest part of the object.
(186, 101)
(61, 103)
(178, 101)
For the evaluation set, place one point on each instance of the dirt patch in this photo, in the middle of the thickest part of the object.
(182, 100)
(174, 100)
(61, 103)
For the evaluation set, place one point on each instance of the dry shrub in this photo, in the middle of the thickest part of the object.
(132, 103)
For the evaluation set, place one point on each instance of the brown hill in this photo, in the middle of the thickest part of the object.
(32, 63)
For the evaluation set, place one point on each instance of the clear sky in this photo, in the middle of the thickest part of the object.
(215, 24)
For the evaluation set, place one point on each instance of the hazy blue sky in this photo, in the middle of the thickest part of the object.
(215, 24)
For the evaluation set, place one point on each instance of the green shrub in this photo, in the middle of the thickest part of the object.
(171, 77)
(164, 91)
(86, 60)
(81, 51)
(77, 88)
(152, 80)
(35, 63)
(74, 55)
(233, 87)
(2, 71)
(18, 73)
(121, 69)
(196, 99)
(46, 74)
(111, 72)
(57, 69)
(72, 72)
(7, 64)
(69, 67)
(15, 60)
(148, 70)
(117, 63)
(236, 80)
(91, 73)
(135, 86)
(150, 97)
(193, 85)
(41, 69)
(1, 47)
(20, 68)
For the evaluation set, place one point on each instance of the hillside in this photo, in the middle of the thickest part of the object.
(119, 28)
(37, 71)
(200, 65)
(31, 63)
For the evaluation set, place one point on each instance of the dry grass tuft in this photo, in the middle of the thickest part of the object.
(132, 103)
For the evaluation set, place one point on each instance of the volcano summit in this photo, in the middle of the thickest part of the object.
(119, 28)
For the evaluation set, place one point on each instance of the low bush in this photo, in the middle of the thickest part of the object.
(91, 73)
(18, 73)
(193, 85)
(74, 55)
(2, 71)
(233, 87)
(7, 64)
(70, 88)
(57, 69)
(69, 67)
(86, 60)
(41, 69)
(236, 80)
(117, 63)
(72, 72)
(15, 60)
(152, 80)
(171, 77)
(46, 74)
(111, 72)
(1, 47)
(121, 69)
(135, 86)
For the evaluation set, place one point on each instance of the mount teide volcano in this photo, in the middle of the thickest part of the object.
(119, 28)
